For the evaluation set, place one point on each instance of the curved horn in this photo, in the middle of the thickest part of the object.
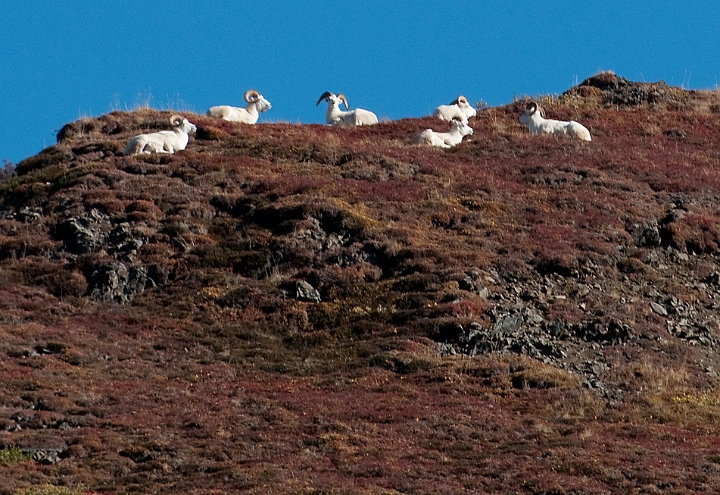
(251, 95)
(323, 96)
(531, 108)
(176, 119)
(461, 99)
(342, 98)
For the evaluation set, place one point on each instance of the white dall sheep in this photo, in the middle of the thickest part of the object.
(163, 141)
(458, 130)
(256, 105)
(538, 124)
(347, 119)
(458, 109)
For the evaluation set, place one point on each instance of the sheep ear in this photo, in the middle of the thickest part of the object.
(323, 96)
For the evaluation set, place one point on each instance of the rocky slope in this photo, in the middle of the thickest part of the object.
(290, 308)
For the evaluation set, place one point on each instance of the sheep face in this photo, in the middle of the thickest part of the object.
(333, 99)
(530, 110)
(262, 105)
(187, 127)
(254, 98)
(468, 110)
(462, 128)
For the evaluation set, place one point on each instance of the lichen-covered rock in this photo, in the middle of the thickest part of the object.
(84, 234)
(116, 282)
(306, 292)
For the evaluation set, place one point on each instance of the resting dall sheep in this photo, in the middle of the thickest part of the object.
(256, 105)
(163, 141)
(458, 109)
(348, 119)
(458, 130)
(538, 124)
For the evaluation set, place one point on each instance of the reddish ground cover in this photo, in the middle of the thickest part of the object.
(290, 308)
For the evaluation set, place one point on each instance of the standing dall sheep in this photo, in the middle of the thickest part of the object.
(256, 105)
(538, 124)
(458, 130)
(163, 141)
(347, 119)
(458, 109)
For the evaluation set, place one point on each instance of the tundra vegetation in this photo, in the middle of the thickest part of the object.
(306, 309)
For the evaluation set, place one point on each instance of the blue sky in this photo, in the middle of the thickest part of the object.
(61, 61)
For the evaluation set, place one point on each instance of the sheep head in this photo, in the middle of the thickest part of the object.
(333, 99)
(530, 110)
(324, 96)
(254, 97)
(463, 127)
(533, 107)
(180, 122)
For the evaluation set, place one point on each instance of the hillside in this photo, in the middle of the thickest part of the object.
(288, 308)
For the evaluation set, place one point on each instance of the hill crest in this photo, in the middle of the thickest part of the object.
(512, 268)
